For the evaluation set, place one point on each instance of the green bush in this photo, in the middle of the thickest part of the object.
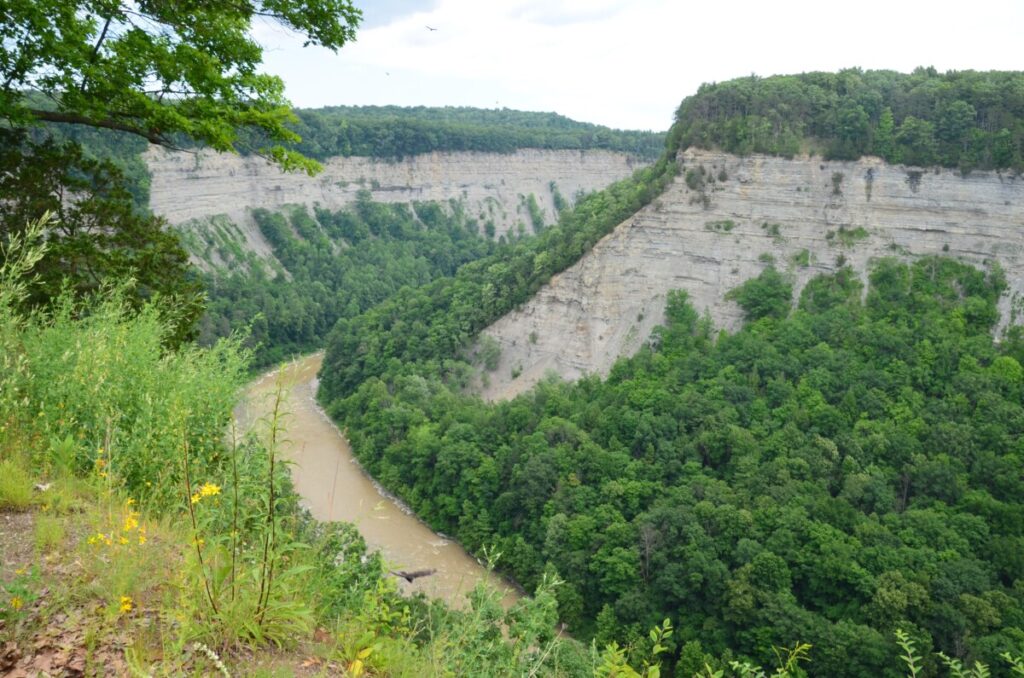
(15, 486)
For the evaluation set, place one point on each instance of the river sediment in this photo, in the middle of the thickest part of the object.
(334, 487)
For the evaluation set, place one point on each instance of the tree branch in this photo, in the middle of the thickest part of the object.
(151, 135)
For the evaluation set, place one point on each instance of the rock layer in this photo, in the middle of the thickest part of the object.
(491, 186)
(806, 215)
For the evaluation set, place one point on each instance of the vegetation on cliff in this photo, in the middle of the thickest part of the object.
(332, 265)
(434, 324)
(144, 534)
(964, 119)
(829, 475)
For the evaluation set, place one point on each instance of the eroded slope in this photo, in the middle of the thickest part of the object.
(492, 187)
(718, 226)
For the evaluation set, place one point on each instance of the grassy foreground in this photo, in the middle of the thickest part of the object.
(139, 534)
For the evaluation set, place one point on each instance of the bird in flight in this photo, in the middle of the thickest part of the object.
(410, 576)
(429, 28)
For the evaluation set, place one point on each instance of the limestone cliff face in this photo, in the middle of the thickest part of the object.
(721, 229)
(491, 186)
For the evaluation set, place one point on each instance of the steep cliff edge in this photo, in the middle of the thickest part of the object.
(492, 187)
(723, 220)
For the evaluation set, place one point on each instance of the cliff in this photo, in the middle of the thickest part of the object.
(191, 187)
(723, 220)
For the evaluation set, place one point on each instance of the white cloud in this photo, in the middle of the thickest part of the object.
(630, 63)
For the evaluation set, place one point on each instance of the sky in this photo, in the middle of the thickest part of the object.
(626, 63)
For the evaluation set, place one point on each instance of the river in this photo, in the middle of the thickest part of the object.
(333, 486)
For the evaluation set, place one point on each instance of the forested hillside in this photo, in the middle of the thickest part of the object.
(831, 474)
(326, 266)
(965, 119)
(827, 476)
(397, 132)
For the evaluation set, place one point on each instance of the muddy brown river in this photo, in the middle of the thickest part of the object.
(333, 486)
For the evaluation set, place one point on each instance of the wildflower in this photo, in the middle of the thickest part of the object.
(209, 490)
(131, 521)
(21, 571)
(123, 540)
(17, 603)
(206, 490)
(126, 604)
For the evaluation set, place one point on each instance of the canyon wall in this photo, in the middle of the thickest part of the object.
(190, 187)
(725, 218)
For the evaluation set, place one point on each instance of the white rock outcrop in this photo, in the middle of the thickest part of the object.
(805, 214)
(492, 187)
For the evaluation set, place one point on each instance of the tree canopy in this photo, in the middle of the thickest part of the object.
(396, 132)
(158, 69)
(155, 71)
(829, 474)
(965, 119)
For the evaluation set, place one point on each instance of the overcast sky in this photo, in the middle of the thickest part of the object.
(627, 63)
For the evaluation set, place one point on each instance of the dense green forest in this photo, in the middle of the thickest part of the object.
(828, 475)
(329, 265)
(431, 325)
(397, 132)
(964, 119)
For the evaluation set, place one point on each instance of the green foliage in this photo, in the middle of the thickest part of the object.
(910, 656)
(614, 663)
(963, 119)
(490, 353)
(837, 183)
(105, 382)
(336, 265)
(769, 295)
(723, 226)
(831, 474)
(97, 237)
(159, 70)
(15, 486)
(398, 132)
(848, 237)
(437, 322)
(802, 258)
(557, 198)
(536, 213)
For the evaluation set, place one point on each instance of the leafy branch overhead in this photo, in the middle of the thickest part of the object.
(160, 70)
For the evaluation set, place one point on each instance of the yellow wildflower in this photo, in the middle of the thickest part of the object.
(209, 490)
(17, 603)
(20, 571)
(205, 490)
(131, 521)
(126, 604)
(123, 540)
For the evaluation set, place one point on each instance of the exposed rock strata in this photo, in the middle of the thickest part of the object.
(606, 305)
(491, 186)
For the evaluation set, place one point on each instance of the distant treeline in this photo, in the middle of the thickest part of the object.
(396, 132)
(965, 119)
